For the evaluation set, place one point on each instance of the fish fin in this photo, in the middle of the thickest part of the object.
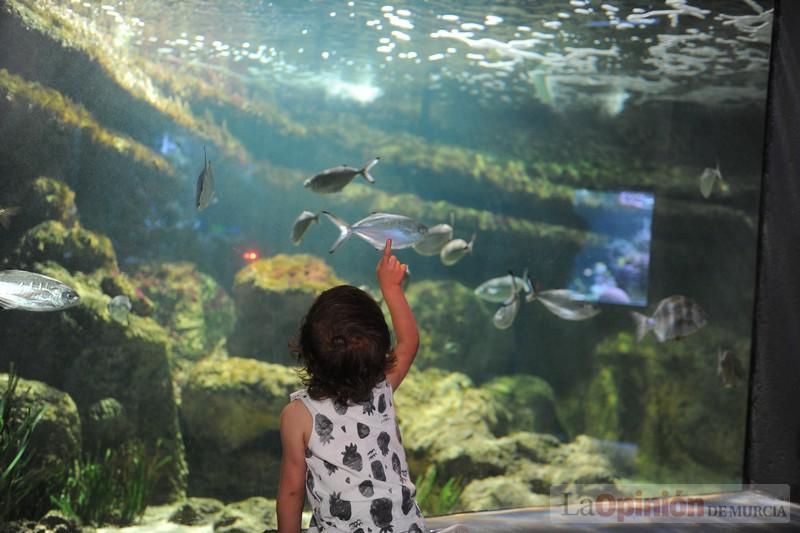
(452, 219)
(6, 214)
(367, 168)
(471, 242)
(5, 303)
(641, 323)
(344, 230)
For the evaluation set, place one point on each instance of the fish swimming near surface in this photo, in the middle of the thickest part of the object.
(498, 290)
(504, 316)
(436, 239)
(119, 308)
(454, 250)
(5, 215)
(675, 317)
(377, 228)
(564, 303)
(29, 291)
(335, 179)
(301, 224)
(205, 193)
(708, 178)
(729, 369)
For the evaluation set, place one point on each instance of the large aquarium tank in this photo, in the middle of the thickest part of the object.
(587, 176)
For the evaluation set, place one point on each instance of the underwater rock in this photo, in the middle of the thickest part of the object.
(437, 409)
(106, 424)
(196, 312)
(499, 492)
(252, 470)
(272, 296)
(52, 522)
(118, 284)
(44, 199)
(229, 402)
(528, 403)
(196, 511)
(83, 352)
(656, 397)
(247, 516)
(56, 440)
(75, 248)
(456, 331)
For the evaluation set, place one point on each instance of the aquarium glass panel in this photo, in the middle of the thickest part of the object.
(574, 186)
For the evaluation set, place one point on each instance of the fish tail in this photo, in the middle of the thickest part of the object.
(344, 230)
(471, 242)
(367, 168)
(6, 214)
(642, 325)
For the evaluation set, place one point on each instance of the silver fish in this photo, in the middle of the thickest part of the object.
(301, 224)
(119, 308)
(377, 228)
(565, 304)
(454, 250)
(707, 180)
(29, 291)
(436, 239)
(498, 290)
(729, 369)
(676, 316)
(505, 314)
(205, 193)
(5, 215)
(335, 179)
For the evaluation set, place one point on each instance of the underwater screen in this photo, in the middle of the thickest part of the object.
(573, 186)
(615, 273)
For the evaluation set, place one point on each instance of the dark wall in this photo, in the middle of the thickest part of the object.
(773, 442)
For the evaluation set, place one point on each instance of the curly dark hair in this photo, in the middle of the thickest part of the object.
(343, 345)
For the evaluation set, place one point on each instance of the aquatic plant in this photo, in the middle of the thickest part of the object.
(17, 481)
(112, 487)
(438, 499)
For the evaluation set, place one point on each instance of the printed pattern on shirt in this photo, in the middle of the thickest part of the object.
(357, 475)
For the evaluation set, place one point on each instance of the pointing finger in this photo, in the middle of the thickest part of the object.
(387, 250)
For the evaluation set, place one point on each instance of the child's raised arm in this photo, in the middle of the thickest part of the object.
(390, 273)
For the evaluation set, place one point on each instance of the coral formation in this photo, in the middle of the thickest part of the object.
(189, 304)
(272, 296)
(75, 248)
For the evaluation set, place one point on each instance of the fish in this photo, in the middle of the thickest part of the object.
(377, 228)
(5, 215)
(119, 308)
(205, 193)
(335, 179)
(505, 314)
(454, 250)
(676, 316)
(498, 290)
(564, 303)
(301, 224)
(729, 369)
(29, 291)
(436, 239)
(707, 180)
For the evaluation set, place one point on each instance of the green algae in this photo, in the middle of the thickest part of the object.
(68, 114)
(285, 272)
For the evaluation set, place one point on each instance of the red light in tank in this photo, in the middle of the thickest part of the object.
(250, 255)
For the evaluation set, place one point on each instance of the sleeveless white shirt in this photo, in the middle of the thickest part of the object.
(357, 477)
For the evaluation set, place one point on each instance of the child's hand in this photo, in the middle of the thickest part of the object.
(390, 270)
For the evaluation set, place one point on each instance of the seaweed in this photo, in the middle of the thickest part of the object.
(436, 499)
(111, 487)
(17, 481)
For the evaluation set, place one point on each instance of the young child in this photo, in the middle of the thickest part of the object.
(341, 443)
